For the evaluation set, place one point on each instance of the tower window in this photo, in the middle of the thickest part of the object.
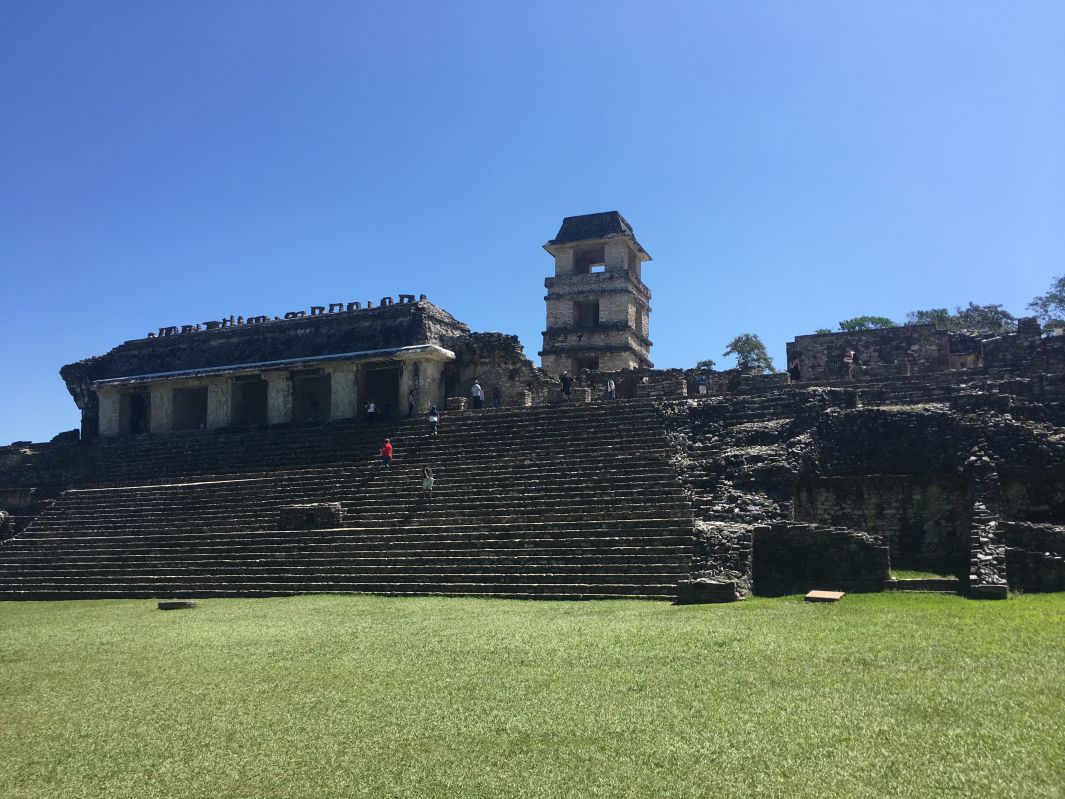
(592, 259)
(586, 313)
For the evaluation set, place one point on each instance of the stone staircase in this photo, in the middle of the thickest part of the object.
(566, 502)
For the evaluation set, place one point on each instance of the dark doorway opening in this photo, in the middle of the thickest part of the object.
(586, 314)
(249, 402)
(311, 398)
(190, 408)
(135, 414)
(627, 387)
(381, 384)
(589, 362)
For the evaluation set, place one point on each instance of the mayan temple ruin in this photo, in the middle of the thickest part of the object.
(235, 457)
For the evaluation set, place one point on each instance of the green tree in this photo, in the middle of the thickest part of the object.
(706, 363)
(822, 330)
(866, 323)
(1050, 307)
(977, 320)
(750, 352)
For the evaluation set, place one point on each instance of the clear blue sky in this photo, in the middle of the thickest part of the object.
(788, 165)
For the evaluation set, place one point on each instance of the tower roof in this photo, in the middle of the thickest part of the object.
(595, 227)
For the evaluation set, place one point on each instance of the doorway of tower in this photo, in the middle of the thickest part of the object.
(135, 413)
(381, 384)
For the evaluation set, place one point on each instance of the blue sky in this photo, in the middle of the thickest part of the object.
(788, 165)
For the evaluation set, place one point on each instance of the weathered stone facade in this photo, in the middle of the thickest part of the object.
(939, 452)
(302, 369)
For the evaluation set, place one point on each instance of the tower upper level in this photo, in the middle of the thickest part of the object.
(597, 305)
(591, 243)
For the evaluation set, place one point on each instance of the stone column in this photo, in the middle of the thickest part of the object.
(343, 399)
(162, 408)
(410, 379)
(110, 405)
(430, 386)
(220, 403)
(278, 397)
(564, 262)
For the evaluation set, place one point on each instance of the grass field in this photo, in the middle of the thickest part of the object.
(880, 695)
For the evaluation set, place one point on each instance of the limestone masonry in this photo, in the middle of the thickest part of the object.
(236, 457)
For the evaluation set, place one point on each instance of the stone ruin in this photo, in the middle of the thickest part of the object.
(237, 459)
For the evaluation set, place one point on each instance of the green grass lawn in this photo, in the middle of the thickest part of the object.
(914, 574)
(880, 695)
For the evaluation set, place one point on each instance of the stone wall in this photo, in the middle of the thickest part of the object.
(793, 558)
(1035, 556)
(496, 360)
(925, 520)
(909, 349)
(1034, 495)
(912, 440)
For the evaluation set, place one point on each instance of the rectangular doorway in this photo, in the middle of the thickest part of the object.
(190, 408)
(312, 397)
(135, 413)
(249, 402)
(381, 384)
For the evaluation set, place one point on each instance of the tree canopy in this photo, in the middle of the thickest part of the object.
(866, 323)
(977, 320)
(750, 352)
(705, 363)
(1050, 307)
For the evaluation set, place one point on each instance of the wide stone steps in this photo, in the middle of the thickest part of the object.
(479, 545)
(549, 502)
(196, 451)
(532, 590)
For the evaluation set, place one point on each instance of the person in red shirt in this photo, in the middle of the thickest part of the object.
(386, 454)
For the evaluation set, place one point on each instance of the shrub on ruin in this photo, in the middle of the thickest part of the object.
(1050, 307)
(976, 320)
(750, 352)
(866, 323)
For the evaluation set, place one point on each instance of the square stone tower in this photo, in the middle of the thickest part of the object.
(597, 306)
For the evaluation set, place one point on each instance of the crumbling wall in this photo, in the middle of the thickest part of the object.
(497, 361)
(910, 349)
(924, 520)
(1014, 351)
(1035, 556)
(906, 440)
(793, 558)
(1034, 495)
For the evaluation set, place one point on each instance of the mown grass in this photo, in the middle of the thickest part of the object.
(917, 574)
(880, 695)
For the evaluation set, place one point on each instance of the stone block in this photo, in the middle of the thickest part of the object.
(176, 604)
(989, 591)
(703, 591)
(824, 596)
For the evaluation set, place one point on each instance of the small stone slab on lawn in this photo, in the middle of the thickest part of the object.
(824, 596)
(176, 604)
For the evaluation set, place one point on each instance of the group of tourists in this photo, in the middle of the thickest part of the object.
(386, 452)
